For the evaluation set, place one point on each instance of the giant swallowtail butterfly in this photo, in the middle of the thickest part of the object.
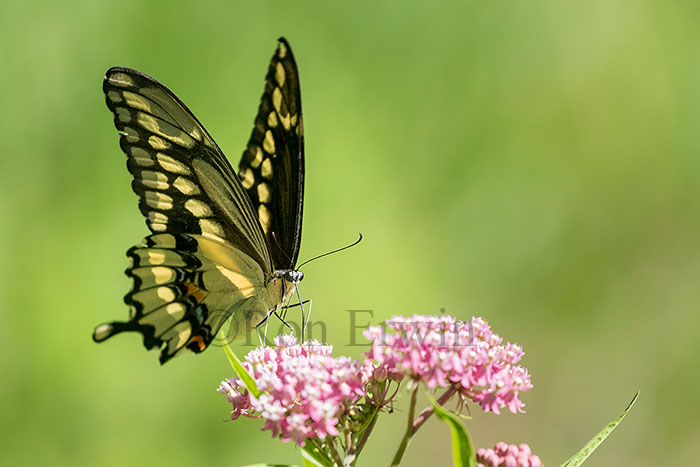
(223, 245)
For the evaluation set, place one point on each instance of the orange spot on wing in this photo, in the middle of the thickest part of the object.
(198, 341)
(194, 291)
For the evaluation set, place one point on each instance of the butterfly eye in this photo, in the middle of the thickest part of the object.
(294, 276)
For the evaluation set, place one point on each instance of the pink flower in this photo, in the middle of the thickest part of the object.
(507, 455)
(304, 389)
(443, 352)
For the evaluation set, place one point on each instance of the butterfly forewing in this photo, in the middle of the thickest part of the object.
(272, 167)
(184, 182)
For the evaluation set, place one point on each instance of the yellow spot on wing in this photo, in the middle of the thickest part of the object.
(157, 142)
(177, 336)
(102, 331)
(269, 143)
(248, 178)
(157, 217)
(137, 102)
(264, 193)
(264, 216)
(155, 180)
(158, 200)
(162, 275)
(121, 79)
(198, 208)
(185, 186)
(156, 257)
(164, 129)
(286, 122)
(255, 163)
(241, 282)
(266, 169)
(171, 164)
(277, 100)
(176, 310)
(211, 227)
(148, 122)
(279, 74)
(271, 120)
(165, 294)
(231, 258)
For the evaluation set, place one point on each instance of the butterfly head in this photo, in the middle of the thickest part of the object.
(293, 276)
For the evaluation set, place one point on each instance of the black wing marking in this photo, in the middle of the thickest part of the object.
(272, 166)
(185, 288)
(184, 182)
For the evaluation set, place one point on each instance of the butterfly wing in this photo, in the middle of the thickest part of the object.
(209, 257)
(184, 182)
(185, 288)
(272, 167)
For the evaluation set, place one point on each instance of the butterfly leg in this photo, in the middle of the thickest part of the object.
(266, 322)
(308, 316)
(301, 304)
(284, 313)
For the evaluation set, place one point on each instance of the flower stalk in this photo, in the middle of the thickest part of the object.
(410, 429)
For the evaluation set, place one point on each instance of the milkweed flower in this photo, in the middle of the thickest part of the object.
(507, 455)
(443, 352)
(304, 390)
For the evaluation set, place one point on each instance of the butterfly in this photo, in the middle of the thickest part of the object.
(223, 245)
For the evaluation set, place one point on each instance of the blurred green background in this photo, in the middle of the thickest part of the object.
(534, 163)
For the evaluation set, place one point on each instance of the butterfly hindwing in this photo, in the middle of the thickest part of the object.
(272, 167)
(184, 182)
(182, 293)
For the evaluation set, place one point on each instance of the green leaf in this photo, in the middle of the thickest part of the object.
(240, 370)
(578, 458)
(463, 454)
(314, 457)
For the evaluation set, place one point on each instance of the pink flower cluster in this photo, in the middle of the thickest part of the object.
(443, 352)
(507, 455)
(303, 389)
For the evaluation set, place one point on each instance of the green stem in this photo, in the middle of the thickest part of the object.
(368, 431)
(428, 411)
(414, 424)
(334, 452)
(410, 430)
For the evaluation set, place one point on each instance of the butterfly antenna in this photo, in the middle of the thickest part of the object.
(274, 236)
(331, 252)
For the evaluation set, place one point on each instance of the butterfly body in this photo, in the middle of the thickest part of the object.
(223, 245)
